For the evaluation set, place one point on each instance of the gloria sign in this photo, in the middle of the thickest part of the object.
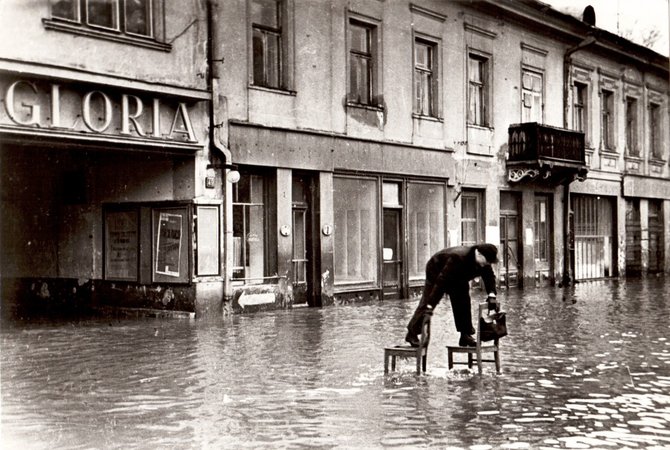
(59, 107)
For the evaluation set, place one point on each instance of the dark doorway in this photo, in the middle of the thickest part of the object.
(510, 264)
(304, 235)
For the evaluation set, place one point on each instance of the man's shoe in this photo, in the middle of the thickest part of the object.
(412, 339)
(467, 341)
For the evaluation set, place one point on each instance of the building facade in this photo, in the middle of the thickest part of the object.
(104, 151)
(240, 155)
(370, 134)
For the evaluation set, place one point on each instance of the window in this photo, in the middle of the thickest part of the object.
(631, 127)
(471, 217)
(425, 225)
(133, 17)
(355, 203)
(580, 109)
(251, 262)
(148, 243)
(361, 63)
(121, 244)
(478, 86)
(269, 40)
(425, 78)
(655, 131)
(542, 227)
(531, 96)
(607, 120)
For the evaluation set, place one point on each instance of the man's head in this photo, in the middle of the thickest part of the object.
(486, 254)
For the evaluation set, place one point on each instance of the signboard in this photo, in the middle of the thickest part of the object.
(121, 245)
(59, 107)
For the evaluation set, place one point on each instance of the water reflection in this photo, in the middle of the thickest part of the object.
(587, 367)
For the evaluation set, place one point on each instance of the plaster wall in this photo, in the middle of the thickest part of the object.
(183, 25)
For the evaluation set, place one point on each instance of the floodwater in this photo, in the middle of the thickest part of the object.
(586, 367)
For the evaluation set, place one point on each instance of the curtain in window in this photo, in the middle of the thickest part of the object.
(425, 225)
(356, 225)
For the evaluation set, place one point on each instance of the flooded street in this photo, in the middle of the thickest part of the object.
(586, 367)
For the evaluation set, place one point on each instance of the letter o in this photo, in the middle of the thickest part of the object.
(86, 110)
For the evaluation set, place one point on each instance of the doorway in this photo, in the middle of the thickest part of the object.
(594, 237)
(303, 257)
(392, 241)
(510, 264)
(542, 245)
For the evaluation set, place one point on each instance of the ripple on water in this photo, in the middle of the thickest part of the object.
(588, 367)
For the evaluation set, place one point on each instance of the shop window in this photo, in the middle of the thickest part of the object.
(471, 217)
(363, 81)
(170, 253)
(425, 225)
(208, 240)
(251, 238)
(478, 90)
(270, 43)
(130, 20)
(425, 78)
(122, 244)
(532, 101)
(355, 205)
(147, 243)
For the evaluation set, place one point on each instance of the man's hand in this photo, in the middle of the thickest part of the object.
(492, 302)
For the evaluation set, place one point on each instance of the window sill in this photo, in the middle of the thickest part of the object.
(657, 161)
(480, 127)
(609, 152)
(633, 158)
(279, 91)
(427, 118)
(80, 30)
(363, 106)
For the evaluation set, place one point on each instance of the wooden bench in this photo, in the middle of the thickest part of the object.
(407, 351)
(478, 350)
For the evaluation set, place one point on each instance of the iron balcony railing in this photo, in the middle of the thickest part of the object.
(534, 142)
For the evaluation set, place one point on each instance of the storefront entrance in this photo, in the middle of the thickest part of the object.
(656, 245)
(594, 237)
(391, 253)
(510, 263)
(392, 243)
(303, 240)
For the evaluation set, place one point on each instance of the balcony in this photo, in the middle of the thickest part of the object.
(546, 154)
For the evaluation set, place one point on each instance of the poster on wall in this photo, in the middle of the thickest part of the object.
(168, 244)
(121, 245)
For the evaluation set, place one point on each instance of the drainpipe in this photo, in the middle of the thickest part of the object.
(567, 207)
(216, 122)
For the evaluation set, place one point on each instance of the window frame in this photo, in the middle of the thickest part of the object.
(580, 107)
(632, 126)
(432, 71)
(655, 137)
(478, 196)
(284, 61)
(607, 120)
(154, 39)
(373, 55)
(539, 73)
(484, 86)
(269, 240)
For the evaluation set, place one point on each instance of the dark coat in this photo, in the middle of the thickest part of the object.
(453, 267)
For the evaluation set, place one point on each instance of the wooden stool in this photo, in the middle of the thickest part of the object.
(478, 350)
(407, 351)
